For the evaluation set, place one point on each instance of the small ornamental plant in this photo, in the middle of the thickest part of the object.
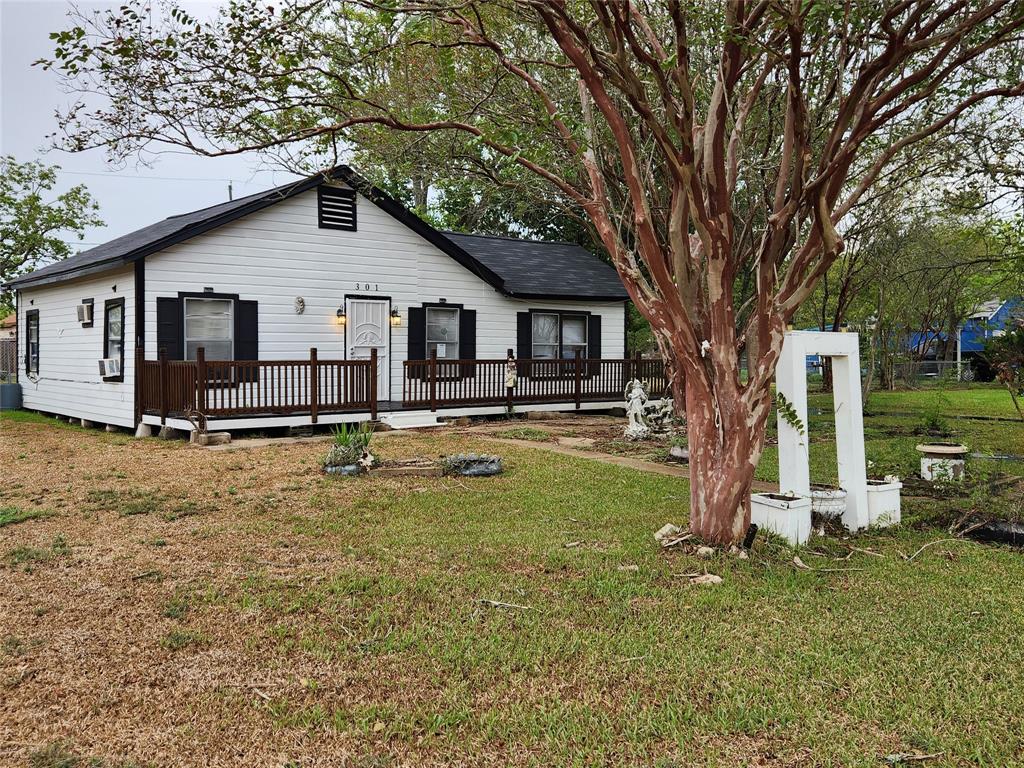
(351, 447)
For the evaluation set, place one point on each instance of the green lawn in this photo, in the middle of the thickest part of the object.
(896, 422)
(292, 617)
(961, 400)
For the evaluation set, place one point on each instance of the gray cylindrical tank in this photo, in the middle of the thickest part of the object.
(10, 397)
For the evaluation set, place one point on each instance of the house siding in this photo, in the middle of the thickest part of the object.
(279, 253)
(68, 382)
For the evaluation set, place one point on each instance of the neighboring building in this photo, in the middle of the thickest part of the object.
(9, 327)
(331, 263)
(986, 321)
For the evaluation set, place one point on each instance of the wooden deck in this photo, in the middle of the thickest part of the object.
(220, 389)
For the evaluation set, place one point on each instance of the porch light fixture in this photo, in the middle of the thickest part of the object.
(340, 314)
(396, 318)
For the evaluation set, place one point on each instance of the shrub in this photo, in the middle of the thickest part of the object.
(932, 420)
(351, 443)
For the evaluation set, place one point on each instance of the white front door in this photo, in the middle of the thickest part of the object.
(368, 328)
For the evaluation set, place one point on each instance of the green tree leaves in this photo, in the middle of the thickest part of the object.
(33, 224)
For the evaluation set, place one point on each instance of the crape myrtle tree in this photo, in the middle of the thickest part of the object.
(707, 143)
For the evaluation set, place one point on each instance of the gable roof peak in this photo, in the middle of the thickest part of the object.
(507, 263)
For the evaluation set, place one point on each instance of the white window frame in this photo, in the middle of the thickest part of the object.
(184, 323)
(585, 319)
(30, 316)
(559, 341)
(458, 324)
(558, 336)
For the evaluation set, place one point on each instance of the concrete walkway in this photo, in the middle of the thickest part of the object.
(654, 467)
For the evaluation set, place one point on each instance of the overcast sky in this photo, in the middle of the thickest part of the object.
(129, 197)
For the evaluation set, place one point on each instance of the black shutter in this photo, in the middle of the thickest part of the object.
(247, 330)
(417, 344)
(247, 336)
(467, 341)
(594, 343)
(524, 340)
(169, 330)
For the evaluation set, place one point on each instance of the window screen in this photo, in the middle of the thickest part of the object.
(209, 323)
(574, 336)
(32, 341)
(443, 332)
(545, 336)
(556, 335)
(113, 330)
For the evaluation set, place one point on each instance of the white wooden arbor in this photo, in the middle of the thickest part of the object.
(791, 382)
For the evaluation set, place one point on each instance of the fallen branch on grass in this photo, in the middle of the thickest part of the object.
(805, 567)
(866, 551)
(930, 544)
(908, 757)
(499, 604)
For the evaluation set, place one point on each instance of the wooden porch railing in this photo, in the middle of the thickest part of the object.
(439, 382)
(223, 388)
(233, 388)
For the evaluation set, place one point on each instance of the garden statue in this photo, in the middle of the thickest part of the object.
(661, 416)
(636, 400)
(510, 372)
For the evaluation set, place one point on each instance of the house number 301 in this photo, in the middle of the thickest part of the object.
(367, 286)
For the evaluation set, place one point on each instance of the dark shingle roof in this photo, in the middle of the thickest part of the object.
(538, 268)
(529, 269)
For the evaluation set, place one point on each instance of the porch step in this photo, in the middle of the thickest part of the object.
(399, 420)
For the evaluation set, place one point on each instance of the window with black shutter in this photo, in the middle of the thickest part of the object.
(336, 208)
(226, 327)
(447, 330)
(551, 334)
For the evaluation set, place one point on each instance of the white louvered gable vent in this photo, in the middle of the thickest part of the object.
(336, 208)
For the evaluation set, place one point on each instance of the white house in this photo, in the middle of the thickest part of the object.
(267, 311)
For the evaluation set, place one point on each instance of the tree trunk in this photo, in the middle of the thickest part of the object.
(725, 446)
(420, 193)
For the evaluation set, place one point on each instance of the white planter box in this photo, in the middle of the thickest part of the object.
(789, 517)
(884, 502)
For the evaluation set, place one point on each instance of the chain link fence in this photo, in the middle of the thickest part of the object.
(8, 359)
(935, 370)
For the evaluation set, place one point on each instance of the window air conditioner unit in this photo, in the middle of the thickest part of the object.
(109, 367)
(84, 313)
